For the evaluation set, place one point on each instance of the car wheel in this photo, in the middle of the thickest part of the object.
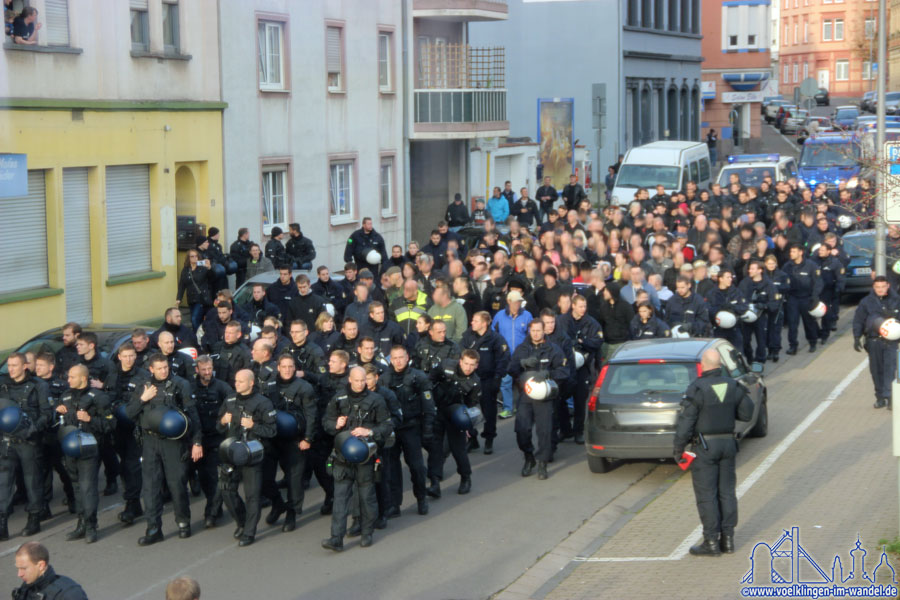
(762, 421)
(598, 464)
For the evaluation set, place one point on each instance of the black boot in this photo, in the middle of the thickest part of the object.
(774, 356)
(184, 530)
(333, 543)
(290, 521)
(542, 470)
(33, 526)
(791, 351)
(355, 528)
(238, 532)
(327, 507)
(489, 446)
(709, 547)
(880, 403)
(132, 511)
(4, 528)
(528, 467)
(45, 513)
(153, 535)
(278, 508)
(726, 544)
(111, 489)
(70, 503)
(423, 506)
(465, 484)
(365, 541)
(434, 490)
(812, 347)
(90, 530)
(381, 522)
(473, 444)
(78, 532)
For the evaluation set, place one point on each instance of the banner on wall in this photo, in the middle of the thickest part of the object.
(555, 130)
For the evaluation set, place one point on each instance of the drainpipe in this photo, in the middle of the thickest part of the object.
(408, 96)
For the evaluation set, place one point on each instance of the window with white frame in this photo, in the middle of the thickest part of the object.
(796, 32)
(838, 29)
(842, 70)
(140, 26)
(334, 58)
(387, 185)
(385, 72)
(866, 70)
(171, 31)
(786, 74)
(805, 32)
(341, 175)
(826, 30)
(56, 22)
(787, 34)
(870, 28)
(270, 42)
(274, 197)
(796, 72)
(826, 1)
(805, 70)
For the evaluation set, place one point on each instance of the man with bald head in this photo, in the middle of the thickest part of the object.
(264, 368)
(180, 364)
(248, 415)
(710, 406)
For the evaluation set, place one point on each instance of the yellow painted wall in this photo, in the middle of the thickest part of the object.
(56, 139)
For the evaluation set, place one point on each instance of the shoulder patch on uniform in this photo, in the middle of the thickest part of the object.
(272, 413)
(109, 416)
(505, 347)
(321, 369)
(428, 395)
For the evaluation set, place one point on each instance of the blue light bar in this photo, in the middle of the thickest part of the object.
(753, 158)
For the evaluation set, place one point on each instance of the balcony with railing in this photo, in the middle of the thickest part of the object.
(461, 10)
(460, 91)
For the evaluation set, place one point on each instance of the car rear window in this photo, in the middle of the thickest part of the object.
(640, 378)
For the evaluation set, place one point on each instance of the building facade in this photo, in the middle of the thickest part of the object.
(832, 41)
(118, 112)
(652, 86)
(736, 69)
(456, 94)
(893, 47)
(314, 129)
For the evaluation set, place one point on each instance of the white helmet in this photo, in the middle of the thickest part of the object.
(751, 315)
(538, 388)
(579, 359)
(725, 319)
(255, 330)
(819, 310)
(678, 332)
(890, 330)
(373, 257)
(844, 221)
(192, 352)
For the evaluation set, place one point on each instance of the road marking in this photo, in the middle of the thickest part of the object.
(682, 550)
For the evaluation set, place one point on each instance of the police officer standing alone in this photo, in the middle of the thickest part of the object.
(881, 303)
(709, 408)
(247, 414)
(89, 411)
(365, 415)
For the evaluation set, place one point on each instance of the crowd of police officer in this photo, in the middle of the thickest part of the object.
(417, 349)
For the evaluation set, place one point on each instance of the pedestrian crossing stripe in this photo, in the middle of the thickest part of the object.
(720, 389)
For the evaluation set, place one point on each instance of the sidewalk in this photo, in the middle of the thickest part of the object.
(834, 480)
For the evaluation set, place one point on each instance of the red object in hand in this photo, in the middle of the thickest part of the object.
(688, 458)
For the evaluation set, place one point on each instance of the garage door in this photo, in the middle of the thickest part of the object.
(77, 245)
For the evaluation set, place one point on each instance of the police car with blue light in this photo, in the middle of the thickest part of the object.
(830, 158)
(752, 168)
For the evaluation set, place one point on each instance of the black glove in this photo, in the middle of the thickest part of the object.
(679, 459)
(529, 363)
(858, 343)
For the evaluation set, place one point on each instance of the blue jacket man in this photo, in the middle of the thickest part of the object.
(511, 323)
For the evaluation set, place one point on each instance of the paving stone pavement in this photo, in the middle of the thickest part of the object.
(838, 479)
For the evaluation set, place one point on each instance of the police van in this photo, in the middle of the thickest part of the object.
(830, 158)
(669, 163)
(753, 168)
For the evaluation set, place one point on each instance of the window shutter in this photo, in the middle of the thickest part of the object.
(333, 45)
(56, 19)
(128, 219)
(24, 248)
(77, 245)
(138, 4)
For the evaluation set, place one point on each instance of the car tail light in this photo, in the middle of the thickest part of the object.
(592, 401)
(699, 370)
(598, 447)
(651, 361)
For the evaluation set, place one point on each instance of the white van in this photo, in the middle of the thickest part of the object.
(670, 164)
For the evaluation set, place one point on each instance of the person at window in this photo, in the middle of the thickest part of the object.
(194, 280)
(9, 17)
(24, 27)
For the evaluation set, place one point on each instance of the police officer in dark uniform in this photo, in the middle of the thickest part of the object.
(832, 271)
(687, 310)
(562, 422)
(434, 349)
(68, 355)
(365, 415)
(89, 410)
(322, 444)
(803, 293)
(44, 364)
(39, 580)
(22, 449)
(775, 317)
(164, 458)
(361, 242)
(100, 368)
(209, 394)
(536, 357)
(454, 381)
(760, 293)
(180, 364)
(120, 388)
(728, 298)
(383, 483)
(368, 354)
(587, 336)
(259, 307)
(709, 408)
(413, 391)
(245, 414)
(305, 305)
(296, 397)
(230, 355)
(264, 368)
(881, 303)
(493, 362)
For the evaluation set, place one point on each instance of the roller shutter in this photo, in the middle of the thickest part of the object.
(23, 246)
(77, 245)
(128, 219)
